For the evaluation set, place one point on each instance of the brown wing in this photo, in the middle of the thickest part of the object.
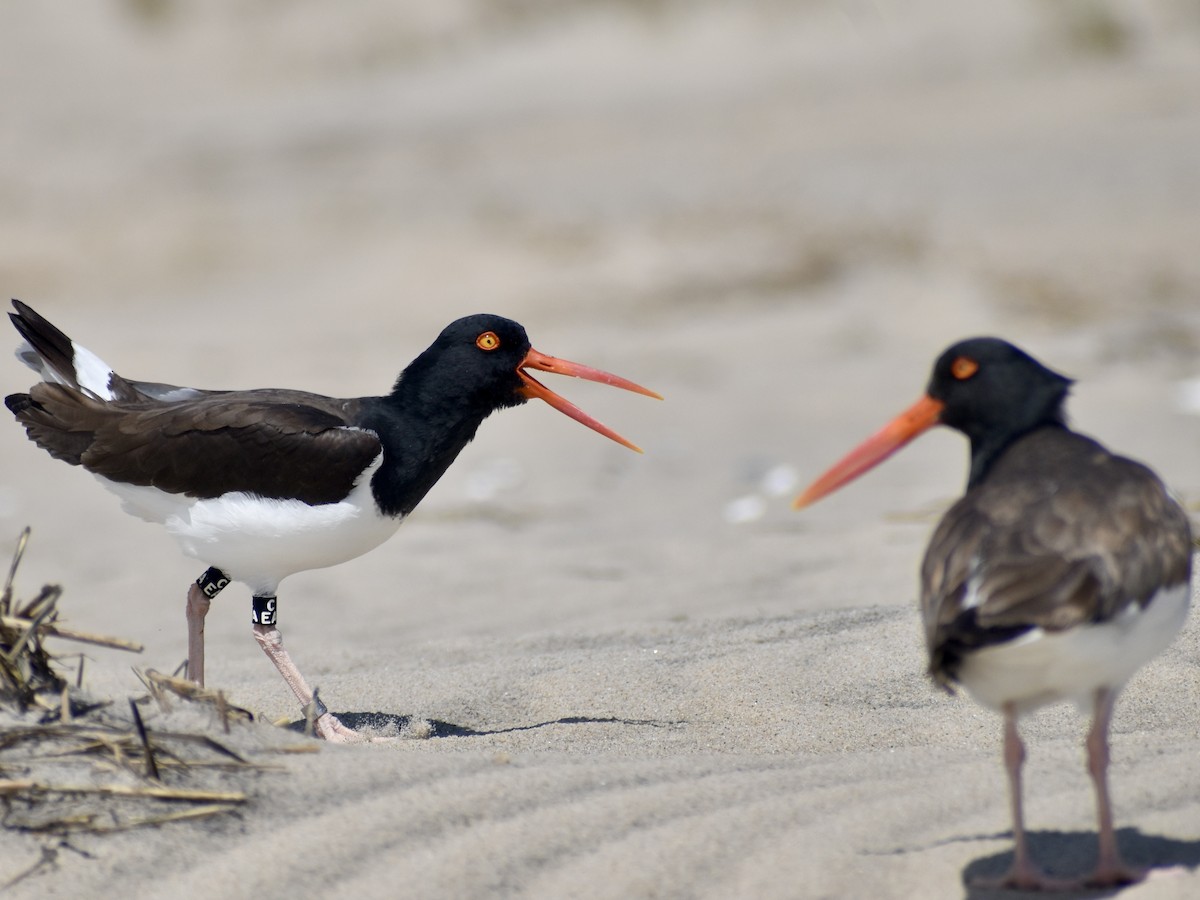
(275, 444)
(1060, 533)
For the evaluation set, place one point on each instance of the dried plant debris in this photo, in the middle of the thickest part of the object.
(27, 674)
(108, 774)
(163, 687)
(72, 765)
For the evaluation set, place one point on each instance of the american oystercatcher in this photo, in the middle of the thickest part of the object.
(1062, 570)
(262, 484)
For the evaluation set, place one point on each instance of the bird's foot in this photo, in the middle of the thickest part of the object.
(329, 728)
(1027, 877)
(1115, 874)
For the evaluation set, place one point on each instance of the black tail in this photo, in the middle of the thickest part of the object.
(18, 402)
(47, 341)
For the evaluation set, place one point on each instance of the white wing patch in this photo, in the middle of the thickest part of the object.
(91, 373)
(971, 597)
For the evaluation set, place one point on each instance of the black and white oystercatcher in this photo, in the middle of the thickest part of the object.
(1062, 570)
(262, 484)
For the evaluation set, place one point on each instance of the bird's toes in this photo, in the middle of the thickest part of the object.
(1117, 875)
(1026, 878)
(329, 727)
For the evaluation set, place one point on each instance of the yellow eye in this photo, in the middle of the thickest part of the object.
(487, 341)
(963, 368)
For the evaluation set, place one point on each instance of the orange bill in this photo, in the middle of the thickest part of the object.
(535, 389)
(915, 420)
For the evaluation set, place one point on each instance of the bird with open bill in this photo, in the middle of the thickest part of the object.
(262, 484)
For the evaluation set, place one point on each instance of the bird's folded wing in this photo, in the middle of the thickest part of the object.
(276, 444)
(1049, 555)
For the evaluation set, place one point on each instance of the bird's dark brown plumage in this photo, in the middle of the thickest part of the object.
(1060, 533)
(275, 444)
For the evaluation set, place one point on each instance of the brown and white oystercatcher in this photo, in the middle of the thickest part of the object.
(1062, 570)
(262, 484)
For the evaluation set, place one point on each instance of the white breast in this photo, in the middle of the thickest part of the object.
(261, 541)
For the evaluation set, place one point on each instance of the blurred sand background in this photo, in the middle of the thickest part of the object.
(776, 214)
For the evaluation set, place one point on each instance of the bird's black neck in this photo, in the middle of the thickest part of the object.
(988, 447)
(423, 427)
(1019, 398)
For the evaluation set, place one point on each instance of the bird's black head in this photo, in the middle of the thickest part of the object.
(984, 387)
(474, 362)
(478, 365)
(994, 392)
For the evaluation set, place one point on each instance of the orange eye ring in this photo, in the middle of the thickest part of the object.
(489, 341)
(963, 368)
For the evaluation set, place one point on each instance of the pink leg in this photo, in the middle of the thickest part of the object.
(1024, 874)
(197, 608)
(326, 724)
(1111, 870)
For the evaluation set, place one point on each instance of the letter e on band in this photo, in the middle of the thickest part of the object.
(264, 610)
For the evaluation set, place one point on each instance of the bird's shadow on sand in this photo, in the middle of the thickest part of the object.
(433, 728)
(1068, 854)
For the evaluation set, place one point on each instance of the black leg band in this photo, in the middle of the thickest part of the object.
(212, 582)
(264, 610)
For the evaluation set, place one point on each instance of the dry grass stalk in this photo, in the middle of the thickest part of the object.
(149, 792)
(162, 686)
(151, 765)
(25, 665)
(49, 629)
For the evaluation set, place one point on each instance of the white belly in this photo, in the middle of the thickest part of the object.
(1043, 667)
(259, 541)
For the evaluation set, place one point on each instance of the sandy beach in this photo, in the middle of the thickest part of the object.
(647, 676)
